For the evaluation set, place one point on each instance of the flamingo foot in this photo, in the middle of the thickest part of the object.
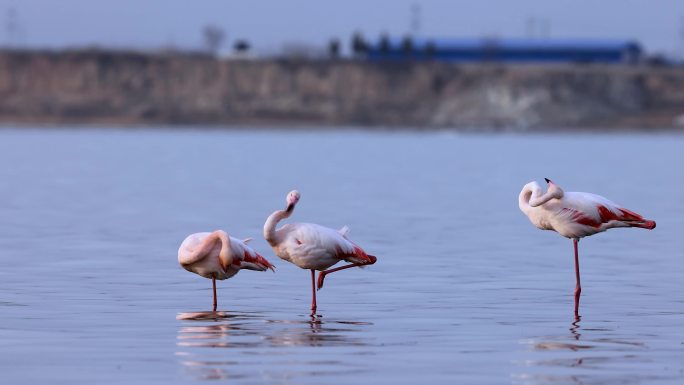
(321, 277)
(213, 284)
(578, 285)
(313, 294)
(578, 292)
(322, 274)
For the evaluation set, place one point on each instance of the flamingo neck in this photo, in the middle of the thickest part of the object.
(530, 191)
(531, 195)
(225, 255)
(273, 219)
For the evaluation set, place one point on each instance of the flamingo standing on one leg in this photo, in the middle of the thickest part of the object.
(218, 256)
(311, 246)
(575, 215)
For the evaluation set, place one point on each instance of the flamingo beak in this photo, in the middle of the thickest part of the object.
(547, 180)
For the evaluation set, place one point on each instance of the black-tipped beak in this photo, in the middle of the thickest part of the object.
(290, 207)
(547, 180)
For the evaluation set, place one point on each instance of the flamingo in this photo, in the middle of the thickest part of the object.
(575, 215)
(311, 246)
(216, 255)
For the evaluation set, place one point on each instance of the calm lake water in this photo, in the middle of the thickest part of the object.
(465, 291)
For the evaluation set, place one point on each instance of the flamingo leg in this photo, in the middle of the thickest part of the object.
(213, 283)
(322, 274)
(313, 292)
(578, 287)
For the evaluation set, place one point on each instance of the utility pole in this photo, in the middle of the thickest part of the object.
(545, 28)
(680, 44)
(537, 27)
(415, 22)
(530, 27)
(11, 26)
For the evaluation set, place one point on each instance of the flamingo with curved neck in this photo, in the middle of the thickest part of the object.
(311, 246)
(217, 255)
(575, 215)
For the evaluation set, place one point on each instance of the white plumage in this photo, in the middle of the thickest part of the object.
(207, 262)
(575, 214)
(312, 246)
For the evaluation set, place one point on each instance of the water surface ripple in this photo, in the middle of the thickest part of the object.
(466, 290)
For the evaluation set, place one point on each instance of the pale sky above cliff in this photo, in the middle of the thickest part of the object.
(268, 24)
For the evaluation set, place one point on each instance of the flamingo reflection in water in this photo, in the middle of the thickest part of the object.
(252, 332)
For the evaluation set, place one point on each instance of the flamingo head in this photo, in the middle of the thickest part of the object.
(292, 199)
(556, 191)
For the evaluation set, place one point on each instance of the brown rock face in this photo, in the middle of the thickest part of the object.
(134, 88)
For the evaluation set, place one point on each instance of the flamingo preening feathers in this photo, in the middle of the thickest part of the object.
(217, 255)
(311, 246)
(575, 215)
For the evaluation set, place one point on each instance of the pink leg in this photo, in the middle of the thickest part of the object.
(322, 274)
(313, 292)
(578, 287)
(213, 283)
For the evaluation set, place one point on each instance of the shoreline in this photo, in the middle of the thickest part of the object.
(46, 126)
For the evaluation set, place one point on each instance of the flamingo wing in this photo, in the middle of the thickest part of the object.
(595, 211)
(344, 231)
(244, 257)
(313, 239)
(195, 248)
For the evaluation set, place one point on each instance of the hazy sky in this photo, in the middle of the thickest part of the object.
(658, 24)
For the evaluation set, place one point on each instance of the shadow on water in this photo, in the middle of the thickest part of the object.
(242, 336)
(582, 356)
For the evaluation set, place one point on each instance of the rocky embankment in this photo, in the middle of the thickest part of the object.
(89, 87)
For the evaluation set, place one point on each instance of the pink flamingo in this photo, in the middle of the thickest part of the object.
(311, 246)
(575, 215)
(218, 256)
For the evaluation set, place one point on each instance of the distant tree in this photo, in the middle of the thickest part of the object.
(334, 48)
(430, 49)
(407, 45)
(213, 38)
(241, 46)
(384, 43)
(358, 44)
